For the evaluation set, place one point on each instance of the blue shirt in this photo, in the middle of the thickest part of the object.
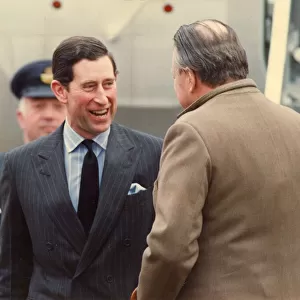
(74, 153)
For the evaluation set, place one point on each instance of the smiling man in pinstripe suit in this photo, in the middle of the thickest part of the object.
(77, 204)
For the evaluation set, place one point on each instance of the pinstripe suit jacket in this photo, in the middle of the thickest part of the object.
(1, 166)
(1, 160)
(44, 253)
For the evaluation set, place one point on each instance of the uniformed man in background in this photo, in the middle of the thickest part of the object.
(39, 112)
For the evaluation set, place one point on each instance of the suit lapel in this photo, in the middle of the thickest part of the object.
(120, 162)
(50, 170)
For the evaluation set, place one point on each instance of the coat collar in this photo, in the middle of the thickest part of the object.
(243, 83)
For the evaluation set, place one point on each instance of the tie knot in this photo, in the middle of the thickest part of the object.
(88, 144)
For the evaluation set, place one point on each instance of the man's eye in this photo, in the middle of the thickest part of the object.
(38, 106)
(89, 87)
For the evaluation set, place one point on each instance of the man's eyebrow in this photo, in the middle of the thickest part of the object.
(94, 81)
(88, 82)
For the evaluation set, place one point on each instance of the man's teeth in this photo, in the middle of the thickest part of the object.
(99, 112)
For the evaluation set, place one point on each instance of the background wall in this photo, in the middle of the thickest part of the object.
(138, 32)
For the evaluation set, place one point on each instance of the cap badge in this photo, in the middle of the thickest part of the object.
(47, 76)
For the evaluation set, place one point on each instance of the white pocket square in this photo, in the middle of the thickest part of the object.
(135, 188)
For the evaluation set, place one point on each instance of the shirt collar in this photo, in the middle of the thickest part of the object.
(72, 139)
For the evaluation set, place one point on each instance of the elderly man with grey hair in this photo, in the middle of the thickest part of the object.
(227, 197)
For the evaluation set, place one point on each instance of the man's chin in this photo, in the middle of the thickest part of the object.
(101, 127)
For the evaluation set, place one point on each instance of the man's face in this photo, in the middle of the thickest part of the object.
(91, 98)
(39, 117)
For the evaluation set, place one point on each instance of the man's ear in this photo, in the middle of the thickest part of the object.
(20, 119)
(59, 91)
(192, 81)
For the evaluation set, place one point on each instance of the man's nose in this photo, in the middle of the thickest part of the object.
(101, 97)
(101, 100)
(48, 112)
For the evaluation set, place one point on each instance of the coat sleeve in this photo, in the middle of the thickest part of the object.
(179, 197)
(15, 242)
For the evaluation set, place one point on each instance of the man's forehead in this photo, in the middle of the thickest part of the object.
(89, 69)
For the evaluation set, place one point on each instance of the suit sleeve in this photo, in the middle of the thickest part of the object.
(15, 243)
(179, 197)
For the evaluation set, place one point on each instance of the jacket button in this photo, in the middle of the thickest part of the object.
(50, 246)
(127, 242)
(109, 278)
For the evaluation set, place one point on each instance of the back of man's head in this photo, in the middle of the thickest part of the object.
(212, 50)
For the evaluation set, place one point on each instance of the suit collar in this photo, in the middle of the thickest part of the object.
(244, 83)
(47, 144)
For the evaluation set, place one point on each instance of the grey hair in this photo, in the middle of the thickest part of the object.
(212, 50)
(22, 106)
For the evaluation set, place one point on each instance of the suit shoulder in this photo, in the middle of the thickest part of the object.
(23, 151)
